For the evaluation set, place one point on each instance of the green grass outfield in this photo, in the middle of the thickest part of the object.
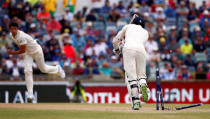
(97, 111)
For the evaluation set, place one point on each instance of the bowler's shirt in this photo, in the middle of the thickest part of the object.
(24, 39)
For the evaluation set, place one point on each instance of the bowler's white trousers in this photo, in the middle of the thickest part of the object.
(28, 71)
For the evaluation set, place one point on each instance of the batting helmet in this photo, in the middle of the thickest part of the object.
(138, 20)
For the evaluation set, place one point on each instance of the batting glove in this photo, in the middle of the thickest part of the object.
(117, 52)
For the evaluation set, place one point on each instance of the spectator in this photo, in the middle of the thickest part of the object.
(200, 71)
(120, 7)
(53, 25)
(155, 56)
(47, 55)
(65, 64)
(29, 21)
(43, 16)
(26, 8)
(184, 74)
(197, 33)
(205, 27)
(170, 75)
(170, 12)
(208, 72)
(106, 8)
(78, 16)
(152, 71)
(131, 6)
(78, 70)
(33, 31)
(173, 46)
(164, 68)
(186, 48)
(4, 43)
(5, 23)
(159, 2)
(42, 29)
(179, 54)
(100, 47)
(91, 68)
(89, 48)
(91, 17)
(116, 68)
(182, 10)
(1, 69)
(192, 7)
(57, 56)
(90, 31)
(78, 29)
(151, 45)
(69, 50)
(143, 8)
(101, 60)
(206, 15)
(165, 56)
(199, 46)
(174, 60)
(33, 2)
(106, 69)
(206, 38)
(50, 6)
(68, 16)
(185, 37)
(150, 27)
(159, 15)
(63, 20)
(203, 6)
(114, 16)
(189, 62)
(77, 62)
(192, 17)
(78, 41)
(178, 68)
(162, 44)
(15, 71)
(96, 5)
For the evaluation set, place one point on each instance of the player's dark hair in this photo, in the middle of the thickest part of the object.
(13, 24)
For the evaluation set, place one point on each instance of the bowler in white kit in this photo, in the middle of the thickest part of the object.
(31, 51)
(130, 41)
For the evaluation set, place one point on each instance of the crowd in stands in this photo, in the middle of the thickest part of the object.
(81, 41)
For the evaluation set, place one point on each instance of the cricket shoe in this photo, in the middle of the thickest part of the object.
(144, 92)
(30, 98)
(136, 106)
(61, 72)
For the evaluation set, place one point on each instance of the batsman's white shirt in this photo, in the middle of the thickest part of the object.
(24, 39)
(134, 53)
(133, 36)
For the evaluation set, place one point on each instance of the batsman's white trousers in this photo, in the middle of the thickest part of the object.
(135, 69)
(28, 62)
(134, 64)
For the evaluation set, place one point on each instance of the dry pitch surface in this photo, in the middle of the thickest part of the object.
(97, 111)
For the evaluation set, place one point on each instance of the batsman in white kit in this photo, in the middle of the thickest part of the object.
(31, 51)
(130, 41)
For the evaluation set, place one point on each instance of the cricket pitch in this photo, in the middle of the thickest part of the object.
(97, 111)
